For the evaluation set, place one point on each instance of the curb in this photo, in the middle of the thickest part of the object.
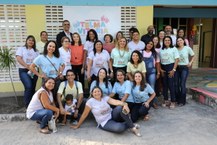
(13, 117)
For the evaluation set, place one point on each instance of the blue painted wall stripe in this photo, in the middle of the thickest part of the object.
(113, 2)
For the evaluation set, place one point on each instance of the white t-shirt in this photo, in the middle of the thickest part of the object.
(71, 108)
(100, 60)
(88, 46)
(66, 57)
(40, 46)
(28, 55)
(35, 103)
(136, 46)
(101, 110)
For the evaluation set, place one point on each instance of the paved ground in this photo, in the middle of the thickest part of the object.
(193, 124)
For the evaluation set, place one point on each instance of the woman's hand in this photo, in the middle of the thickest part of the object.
(146, 104)
(162, 72)
(82, 70)
(126, 108)
(56, 114)
(111, 75)
(171, 73)
(74, 126)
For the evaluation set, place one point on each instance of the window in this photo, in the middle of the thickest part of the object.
(54, 18)
(13, 34)
(128, 19)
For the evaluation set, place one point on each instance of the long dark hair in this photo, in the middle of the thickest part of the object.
(158, 44)
(142, 83)
(105, 80)
(94, 32)
(139, 54)
(55, 53)
(94, 46)
(171, 42)
(34, 45)
(154, 53)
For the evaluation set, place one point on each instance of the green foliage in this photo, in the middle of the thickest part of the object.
(7, 58)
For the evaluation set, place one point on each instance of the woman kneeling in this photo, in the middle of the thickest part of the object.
(41, 107)
(116, 120)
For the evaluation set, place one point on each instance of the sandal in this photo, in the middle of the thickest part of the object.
(166, 103)
(137, 126)
(135, 131)
(44, 131)
(172, 105)
(146, 118)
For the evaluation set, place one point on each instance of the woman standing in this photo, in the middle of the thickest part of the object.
(106, 118)
(143, 94)
(77, 58)
(25, 56)
(108, 45)
(42, 106)
(118, 37)
(152, 64)
(161, 35)
(135, 64)
(102, 82)
(169, 58)
(98, 58)
(50, 64)
(120, 56)
(182, 70)
(65, 54)
(181, 33)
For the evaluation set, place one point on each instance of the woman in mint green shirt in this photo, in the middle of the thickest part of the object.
(182, 70)
(169, 58)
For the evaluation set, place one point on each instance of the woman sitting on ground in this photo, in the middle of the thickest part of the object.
(107, 118)
(42, 106)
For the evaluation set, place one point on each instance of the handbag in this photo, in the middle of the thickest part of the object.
(52, 124)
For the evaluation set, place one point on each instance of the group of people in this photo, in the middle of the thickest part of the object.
(123, 76)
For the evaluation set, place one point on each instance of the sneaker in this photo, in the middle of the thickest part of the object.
(135, 131)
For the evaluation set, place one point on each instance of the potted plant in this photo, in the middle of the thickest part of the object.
(7, 60)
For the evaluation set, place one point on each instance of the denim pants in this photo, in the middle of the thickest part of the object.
(168, 83)
(29, 85)
(180, 83)
(43, 116)
(139, 110)
(119, 121)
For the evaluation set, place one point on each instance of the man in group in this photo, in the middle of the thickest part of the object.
(65, 32)
(131, 30)
(149, 36)
(40, 45)
(169, 32)
(70, 86)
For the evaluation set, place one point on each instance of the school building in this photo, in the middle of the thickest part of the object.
(20, 18)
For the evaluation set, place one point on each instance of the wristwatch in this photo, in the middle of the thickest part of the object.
(174, 69)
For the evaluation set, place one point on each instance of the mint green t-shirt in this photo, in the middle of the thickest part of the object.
(184, 55)
(169, 55)
(120, 57)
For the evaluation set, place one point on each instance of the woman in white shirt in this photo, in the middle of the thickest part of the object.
(97, 59)
(65, 54)
(107, 118)
(25, 56)
(42, 105)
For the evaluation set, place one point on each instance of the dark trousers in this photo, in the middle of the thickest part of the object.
(138, 110)
(180, 84)
(78, 75)
(168, 83)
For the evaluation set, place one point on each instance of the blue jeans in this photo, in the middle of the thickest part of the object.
(119, 121)
(168, 83)
(29, 85)
(151, 79)
(43, 116)
(180, 83)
